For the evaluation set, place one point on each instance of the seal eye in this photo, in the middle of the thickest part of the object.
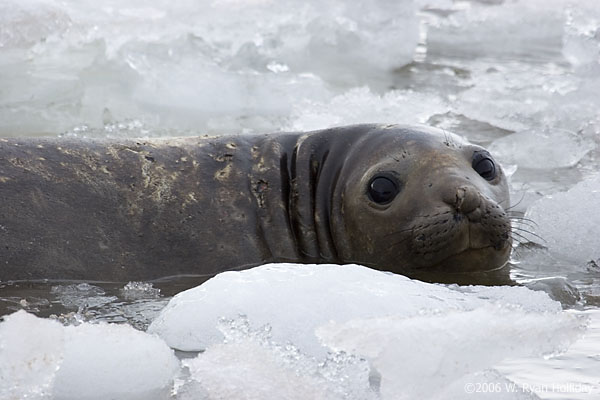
(484, 165)
(382, 190)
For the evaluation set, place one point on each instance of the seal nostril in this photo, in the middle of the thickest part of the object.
(475, 215)
(467, 199)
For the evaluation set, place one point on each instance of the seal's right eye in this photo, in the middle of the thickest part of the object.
(382, 190)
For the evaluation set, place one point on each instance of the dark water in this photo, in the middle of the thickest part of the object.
(134, 303)
(137, 303)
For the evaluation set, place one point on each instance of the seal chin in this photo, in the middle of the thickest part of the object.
(472, 266)
(483, 259)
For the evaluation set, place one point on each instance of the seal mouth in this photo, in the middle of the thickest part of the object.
(475, 259)
(472, 266)
(464, 246)
(473, 237)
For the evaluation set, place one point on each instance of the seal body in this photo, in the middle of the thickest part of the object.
(408, 200)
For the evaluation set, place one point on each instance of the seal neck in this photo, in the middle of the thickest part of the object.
(313, 175)
(303, 220)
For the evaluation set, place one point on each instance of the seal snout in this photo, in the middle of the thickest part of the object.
(466, 200)
(472, 233)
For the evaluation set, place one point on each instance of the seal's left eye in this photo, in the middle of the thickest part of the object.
(484, 165)
(382, 190)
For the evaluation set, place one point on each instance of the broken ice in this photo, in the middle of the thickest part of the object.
(40, 358)
(318, 331)
(575, 212)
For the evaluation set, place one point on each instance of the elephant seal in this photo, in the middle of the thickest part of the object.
(410, 200)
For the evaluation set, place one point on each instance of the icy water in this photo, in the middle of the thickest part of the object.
(519, 77)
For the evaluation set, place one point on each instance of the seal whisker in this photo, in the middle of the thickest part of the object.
(504, 201)
(400, 232)
(413, 230)
(524, 222)
(521, 236)
(520, 228)
(400, 242)
(529, 232)
(517, 203)
(522, 219)
(515, 249)
(517, 241)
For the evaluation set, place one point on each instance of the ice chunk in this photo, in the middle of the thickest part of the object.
(370, 36)
(137, 303)
(421, 340)
(40, 357)
(419, 356)
(581, 40)
(249, 365)
(81, 296)
(109, 360)
(542, 148)
(474, 131)
(140, 290)
(434, 4)
(25, 22)
(516, 96)
(525, 299)
(169, 92)
(222, 65)
(296, 299)
(361, 105)
(509, 29)
(515, 93)
(31, 351)
(569, 221)
(572, 375)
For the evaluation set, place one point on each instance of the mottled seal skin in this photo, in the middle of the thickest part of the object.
(109, 210)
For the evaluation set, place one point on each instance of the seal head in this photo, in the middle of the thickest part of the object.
(424, 203)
